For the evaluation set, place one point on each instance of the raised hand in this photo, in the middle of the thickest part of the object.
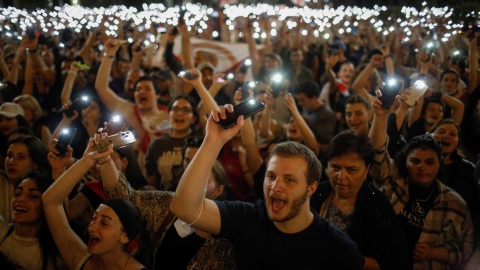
(215, 133)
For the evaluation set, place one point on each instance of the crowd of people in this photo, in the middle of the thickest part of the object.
(362, 155)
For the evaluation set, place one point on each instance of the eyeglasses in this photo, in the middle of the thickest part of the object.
(193, 141)
(176, 109)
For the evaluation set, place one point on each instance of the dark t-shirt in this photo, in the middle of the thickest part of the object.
(176, 252)
(260, 245)
(412, 216)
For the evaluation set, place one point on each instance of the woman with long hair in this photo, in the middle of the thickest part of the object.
(24, 155)
(27, 241)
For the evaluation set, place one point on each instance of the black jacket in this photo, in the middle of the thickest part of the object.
(375, 227)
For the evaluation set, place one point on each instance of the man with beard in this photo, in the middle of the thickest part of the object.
(268, 234)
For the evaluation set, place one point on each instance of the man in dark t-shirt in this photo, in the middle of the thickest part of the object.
(280, 233)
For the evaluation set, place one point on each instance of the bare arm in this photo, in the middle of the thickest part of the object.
(457, 107)
(69, 244)
(86, 51)
(307, 133)
(189, 203)
(265, 123)
(3, 65)
(473, 64)
(256, 64)
(68, 85)
(28, 82)
(254, 160)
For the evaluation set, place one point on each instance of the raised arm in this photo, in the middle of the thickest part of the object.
(307, 134)
(252, 49)
(69, 244)
(108, 97)
(68, 85)
(265, 123)
(189, 203)
(473, 64)
(456, 105)
(86, 50)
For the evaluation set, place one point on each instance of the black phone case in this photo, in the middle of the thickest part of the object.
(64, 140)
(389, 94)
(246, 108)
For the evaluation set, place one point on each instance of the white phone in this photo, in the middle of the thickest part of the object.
(119, 140)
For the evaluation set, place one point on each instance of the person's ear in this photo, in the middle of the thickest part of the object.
(218, 191)
(311, 188)
(124, 238)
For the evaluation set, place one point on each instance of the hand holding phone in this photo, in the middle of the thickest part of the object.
(187, 75)
(119, 140)
(277, 84)
(246, 108)
(77, 105)
(114, 125)
(64, 140)
(390, 90)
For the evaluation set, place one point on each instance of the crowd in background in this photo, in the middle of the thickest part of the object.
(397, 168)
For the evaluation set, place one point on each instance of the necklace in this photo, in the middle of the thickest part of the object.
(417, 207)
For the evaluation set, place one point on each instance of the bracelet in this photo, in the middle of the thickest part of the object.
(101, 163)
(199, 214)
(387, 56)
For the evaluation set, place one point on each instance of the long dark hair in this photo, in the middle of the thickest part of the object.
(48, 249)
(133, 173)
(37, 151)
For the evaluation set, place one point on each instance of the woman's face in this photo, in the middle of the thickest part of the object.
(181, 115)
(357, 117)
(105, 231)
(213, 190)
(18, 161)
(7, 124)
(145, 96)
(92, 111)
(347, 174)
(27, 204)
(449, 82)
(293, 131)
(447, 135)
(433, 113)
(345, 73)
(422, 166)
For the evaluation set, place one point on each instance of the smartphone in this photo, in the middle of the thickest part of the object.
(78, 105)
(246, 108)
(114, 125)
(30, 32)
(247, 85)
(426, 52)
(389, 91)
(64, 140)
(229, 76)
(119, 140)
(187, 75)
(277, 84)
(181, 21)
